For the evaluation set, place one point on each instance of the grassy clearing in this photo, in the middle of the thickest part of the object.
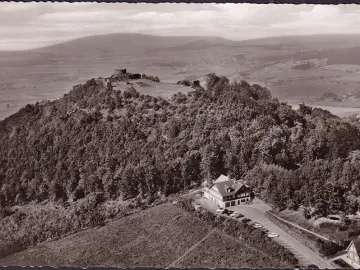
(154, 237)
(305, 89)
(338, 111)
(221, 250)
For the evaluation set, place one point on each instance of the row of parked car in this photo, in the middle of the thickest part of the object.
(230, 213)
(256, 225)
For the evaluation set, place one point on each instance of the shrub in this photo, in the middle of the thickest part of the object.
(79, 193)
(245, 220)
(328, 248)
(184, 82)
(151, 78)
(207, 216)
(353, 233)
(186, 204)
(131, 93)
(5, 212)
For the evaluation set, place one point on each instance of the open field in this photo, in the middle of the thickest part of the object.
(161, 236)
(339, 111)
(222, 250)
(154, 237)
(309, 88)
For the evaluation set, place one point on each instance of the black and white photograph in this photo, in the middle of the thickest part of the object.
(179, 135)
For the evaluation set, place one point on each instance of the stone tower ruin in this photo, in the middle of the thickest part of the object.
(119, 74)
(196, 83)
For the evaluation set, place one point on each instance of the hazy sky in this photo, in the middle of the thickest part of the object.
(31, 25)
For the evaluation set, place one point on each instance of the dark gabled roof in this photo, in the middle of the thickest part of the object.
(227, 186)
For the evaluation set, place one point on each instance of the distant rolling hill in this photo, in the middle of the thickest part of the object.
(110, 46)
(133, 44)
(196, 45)
(124, 44)
(311, 42)
(49, 72)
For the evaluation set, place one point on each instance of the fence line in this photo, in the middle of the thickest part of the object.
(299, 227)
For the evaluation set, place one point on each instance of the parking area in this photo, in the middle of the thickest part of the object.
(256, 213)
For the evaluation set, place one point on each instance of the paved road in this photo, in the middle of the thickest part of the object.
(305, 255)
(256, 212)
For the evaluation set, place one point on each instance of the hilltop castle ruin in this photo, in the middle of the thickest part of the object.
(121, 76)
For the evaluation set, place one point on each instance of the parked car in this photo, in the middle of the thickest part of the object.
(234, 214)
(231, 211)
(219, 210)
(264, 230)
(257, 226)
(272, 235)
(225, 211)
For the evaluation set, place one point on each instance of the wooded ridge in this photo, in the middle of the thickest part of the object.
(111, 143)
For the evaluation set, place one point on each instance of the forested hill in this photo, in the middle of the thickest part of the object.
(122, 143)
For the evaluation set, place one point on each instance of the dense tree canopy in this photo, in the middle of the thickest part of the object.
(128, 144)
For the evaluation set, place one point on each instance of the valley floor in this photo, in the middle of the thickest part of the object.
(336, 110)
